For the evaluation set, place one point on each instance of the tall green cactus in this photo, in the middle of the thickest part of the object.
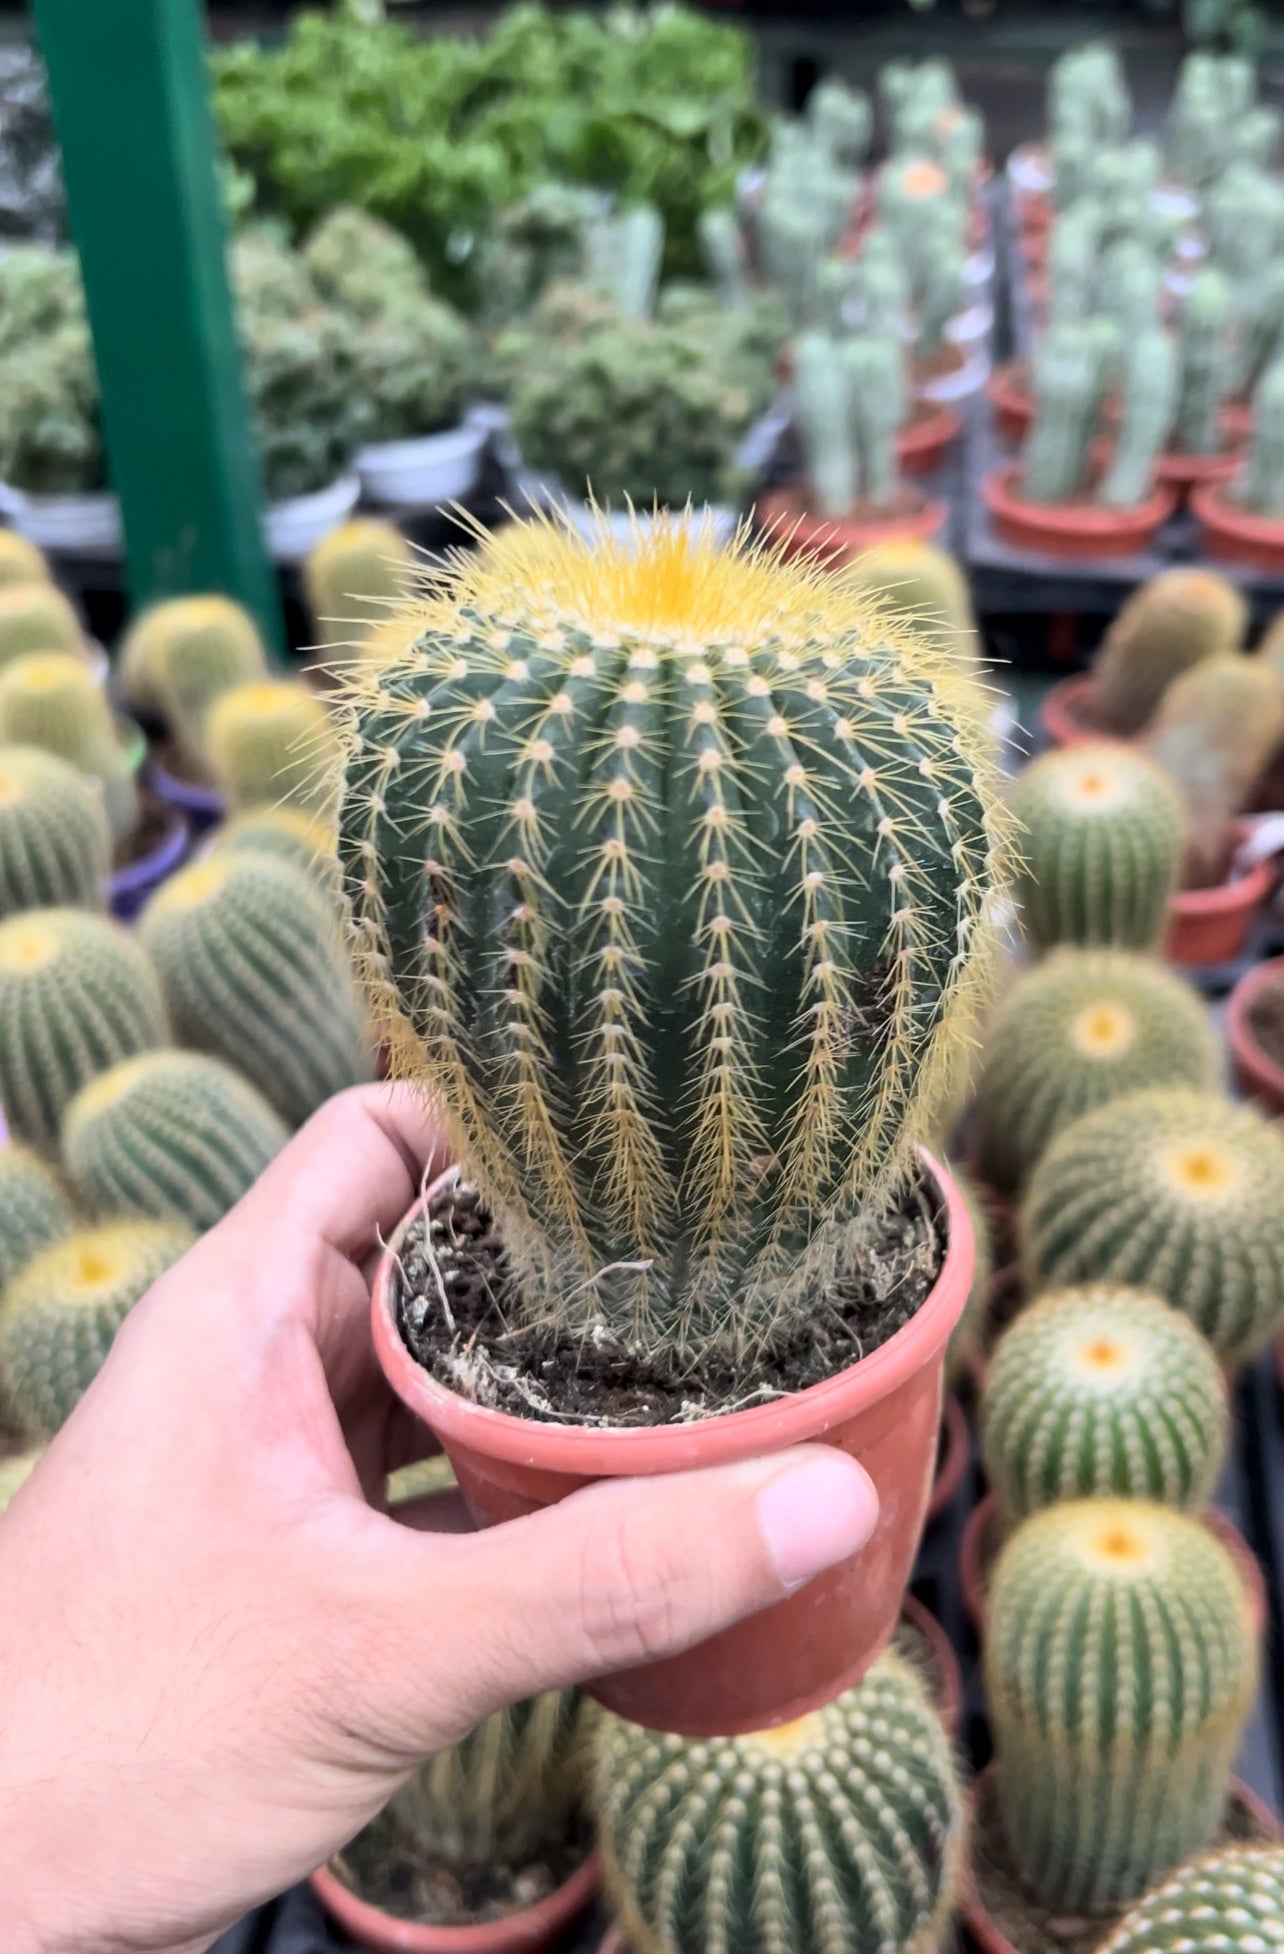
(51, 699)
(1120, 1666)
(1102, 1392)
(1228, 1902)
(1066, 398)
(1073, 248)
(55, 844)
(842, 1830)
(822, 396)
(1178, 618)
(1214, 734)
(1175, 1191)
(1149, 404)
(34, 1211)
(842, 122)
(273, 743)
(1207, 316)
(722, 248)
(684, 987)
(876, 373)
(1261, 488)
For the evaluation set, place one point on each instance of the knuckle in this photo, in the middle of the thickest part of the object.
(626, 1597)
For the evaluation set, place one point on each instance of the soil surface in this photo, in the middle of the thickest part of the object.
(456, 1301)
(1266, 1020)
(387, 1868)
(154, 819)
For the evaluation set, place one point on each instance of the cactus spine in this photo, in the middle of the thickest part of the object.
(1174, 1191)
(807, 751)
(272, 742)
(60, 1314)
(35, 616)
(50, 699)
(355, 575)
(1101, 849)
(841, 1830)
(34, 1211)
(172, 1135)
(76, 995)
(180, 655)
(922, 586)
(1206, 321)
(1229, 1902)
(246, 951)
(1174, 621)
(1073, 1033)
(1102, 1392)
(1214, 734)
(55, 845)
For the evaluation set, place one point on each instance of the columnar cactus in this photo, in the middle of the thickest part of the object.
(1207, 317)
(876, 374)
(173, 1135)
(35, 616)
(769, 761)
(22, 562)
(76, 995)
(1101, 847)
(1120, 1666)
(1077, 1030)
(55, 845)
(1150, 384)
(850, 404)
(1174, 621)
(34, 1211)
(843, 1829)
(1174, 1191)
(272, 742)
(1066, 383)
(1228, 1902)
(252, 973)
(842, 122)
(354, 576)
(60, 1314)
(512, 1785)
(50, 699)
(1261, 487)
(1214, 734)
(180, 655)
(1102, 1392)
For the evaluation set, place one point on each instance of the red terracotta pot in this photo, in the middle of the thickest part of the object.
(1237, 535)
(783, 515)
(1186, 473)
(1008, 392)
(948, 1676)
(1208, 926)
(924, 441)
(885, 1411)
(1082, 531)
(525, 1932)
(1068, 714)
(952, 1456)
(1256, 1073)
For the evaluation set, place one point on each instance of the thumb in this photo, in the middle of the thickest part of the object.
(630, 1570)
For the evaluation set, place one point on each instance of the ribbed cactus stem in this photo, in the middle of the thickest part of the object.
(875, 372)
(1055, 466)
(1228, 1902)
(1169, 624)
(55, 844)
(632, 247)
(822, 391)
(722, 246)
(354, 577)
(1205, 372)
(1150, 402)
(178, 656)
(1072, 263)
(35, 616)
(34, 1210)
(1214, 733)
(273, 743)
(842, 122)
(881, 284)
(51, 700)
(1261, 487)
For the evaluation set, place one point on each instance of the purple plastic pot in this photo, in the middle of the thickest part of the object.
(202, 806)
(132, 885)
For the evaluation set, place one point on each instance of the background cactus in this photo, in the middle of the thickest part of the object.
(1071, 1034)
(1231, 1901)
(850, 402)
(1120, 1665)
(178, 656)
(1150, 399)
(1174, 1191)
(1103, 831)
(968, 1337)
(173, 1135)
(290, 833)
(55, 845)
(77, 994)
(252, 973)
(1170, 623)
(21, 562)
(637, 917)
(35, 616)
(50, 699)
(34, 1211)
(922, 586)
(843, 1829)
(354, 575)
(60, 1314)
(1261, 485)
(1214, 735)
(1066, 383)
(1100, 1392)
(272, 742)
(1207, 318)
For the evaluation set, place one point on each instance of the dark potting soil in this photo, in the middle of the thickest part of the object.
(153, 825)
(456, 1301)
(388, 1869)
(1266, 1018)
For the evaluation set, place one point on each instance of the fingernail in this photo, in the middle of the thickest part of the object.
(815, 1515)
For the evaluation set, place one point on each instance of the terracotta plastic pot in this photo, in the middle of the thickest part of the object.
(202, 805)
(1068, 714)
(1256, 1073)
(131, 886)
(1237, 535)
(525, 1932)
(1081, 531)
(884, 1411)
(948, 1677)
(924, 441)
(783, 515)
(1008, 392)
(1210, 926)
(1186, 473)
(952, 1456)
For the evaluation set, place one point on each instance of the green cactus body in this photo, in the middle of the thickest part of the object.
(1229, 1902)
(252, 973)
(355, 575)
(512, 1785)
(21, 562)
(77, 995)
(942, 290)
(842, 1830)
(924, 587)
(722, 247)
(271, 743)
(1101, 849)
(1175, 1191)
(1205, 364)
(51, 700)
(1082, 1028)
(1214, 734)
(876, 377)
(1261, 487)
(1102, 1392)
(55, 845)
(1065, 373)
(1243, 214)
(795, 242)
(180, 655)
(1260, 304)
(1120, 1666)
(599, 907)
(881, 284)
(1168, 624)
(36, 616)
(842, 122)
(1129, 281)
(1150, 401)
(289, 833)
(60, 1314)
(34, 1211)
(969, 1334)
(823, 388)
(1073, 263)
(626, 253)
(177, 1136)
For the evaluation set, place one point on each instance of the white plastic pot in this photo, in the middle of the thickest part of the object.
(1029, 169)
(71, 525)
(433, 469)
(294, 527)
(961, 382)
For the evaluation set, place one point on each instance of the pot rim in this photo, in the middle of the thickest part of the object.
(527, 1927)
(1238, 892)
(1085, 522)
(1245, 1047)
(921, 1618)
(166, 855)
(1209, 503)
(783, 515)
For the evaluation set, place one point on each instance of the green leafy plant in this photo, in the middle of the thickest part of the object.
(1171, 622)
(55, 843)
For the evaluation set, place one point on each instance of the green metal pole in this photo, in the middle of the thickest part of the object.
(131, 104)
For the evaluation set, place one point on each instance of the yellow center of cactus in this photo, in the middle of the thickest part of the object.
(1201, 1168)
(112, 1085)
(47, 671)
(1103, 1030)
(95, 1267)
(262, 696)
(195, 885)
(27, 945)
(1120, 1543)
(789, 1739)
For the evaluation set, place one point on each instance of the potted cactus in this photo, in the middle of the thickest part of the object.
(176, 659)
(1235, 1896)
(1200, 447)
(34, 1209)
(36, 616)
(1242, 521)
(689, 1271)
(1255, 1034)
(352, 578)
(1088, 109)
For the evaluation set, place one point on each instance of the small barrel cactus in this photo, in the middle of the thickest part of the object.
(924, 587)
(272, 743)
(174, 1135)
(55, 844)
(50, 699)
(1078, 1030)
(843, 1829)
(354, 576)
(1174, 1191)
(252, 972)
(1101, 848)
(21, 561)
(1170, 623)
(1261, 486)
(60, 1314)
(1215, 733)
(1120, 1667)
(179, 655)
(36, 616)
(76, 995)
(289, 833)
(1066, 380)
(969, 1334)
(1207, 319)
(34, 1211)
(1228, 1902)
(1102, 1392)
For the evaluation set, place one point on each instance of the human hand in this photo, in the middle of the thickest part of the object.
(218, 1655)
